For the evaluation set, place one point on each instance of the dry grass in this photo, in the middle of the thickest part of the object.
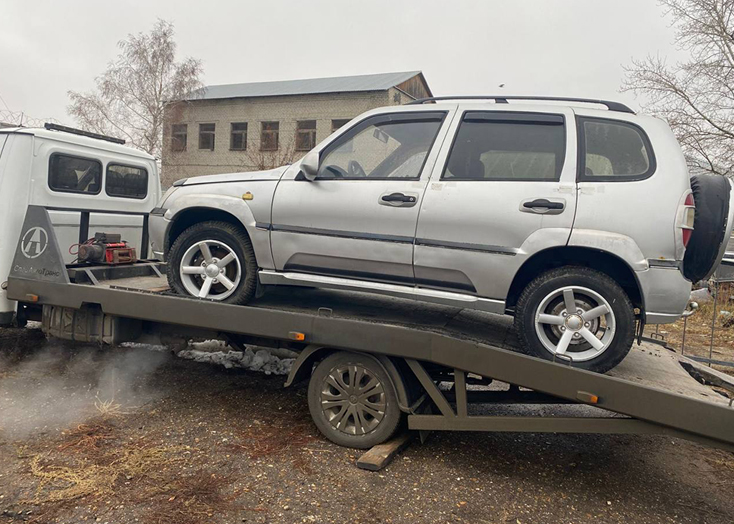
(69, 482)
(260, 441)
(87, 437)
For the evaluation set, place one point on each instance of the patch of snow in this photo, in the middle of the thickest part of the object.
(262, 360)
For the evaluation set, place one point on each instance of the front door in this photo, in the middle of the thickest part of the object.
(357, 219)
(503, 190)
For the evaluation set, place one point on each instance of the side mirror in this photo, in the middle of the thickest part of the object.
(310, 166)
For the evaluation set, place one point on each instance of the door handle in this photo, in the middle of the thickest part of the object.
(398, 200)
(543, 206)
(398, 197)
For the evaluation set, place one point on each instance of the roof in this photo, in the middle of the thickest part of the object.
(77, 139)
(310, 86)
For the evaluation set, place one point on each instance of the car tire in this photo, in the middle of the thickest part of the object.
(711, 196)
(229, 247)
(602, 310)
(338, 408)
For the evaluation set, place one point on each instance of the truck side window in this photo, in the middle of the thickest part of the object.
(126, 181)
(613, 150)
(73, 174)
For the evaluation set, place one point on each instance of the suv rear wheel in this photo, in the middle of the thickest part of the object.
(213, 260)
(576, 314)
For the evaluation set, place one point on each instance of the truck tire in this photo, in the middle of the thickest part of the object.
(213, 260)
(711, 195)
(578, 316)
(353, 401)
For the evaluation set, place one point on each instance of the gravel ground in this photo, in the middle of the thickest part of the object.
(133, 435)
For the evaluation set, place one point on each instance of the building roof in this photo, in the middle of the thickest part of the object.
(310, 86)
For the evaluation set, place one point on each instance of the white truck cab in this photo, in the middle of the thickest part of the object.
(67, 171)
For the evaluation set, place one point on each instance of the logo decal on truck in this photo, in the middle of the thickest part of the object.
(34, 242)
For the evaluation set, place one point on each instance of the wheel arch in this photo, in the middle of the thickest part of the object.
(189, 216)
(304, 364)
(604, 261)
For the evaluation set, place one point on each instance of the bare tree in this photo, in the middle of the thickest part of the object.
(695, 96)
(260, 159)
(130, 95)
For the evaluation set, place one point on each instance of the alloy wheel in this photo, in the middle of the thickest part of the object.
(210, 269)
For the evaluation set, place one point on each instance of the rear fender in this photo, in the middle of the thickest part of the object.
(620, 245)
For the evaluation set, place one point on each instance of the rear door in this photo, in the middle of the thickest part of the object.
(357, 219)
(503, 189)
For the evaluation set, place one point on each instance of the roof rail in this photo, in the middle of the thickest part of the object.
(74, 131)
(502, 99)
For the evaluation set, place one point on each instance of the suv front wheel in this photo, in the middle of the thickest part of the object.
(576, 314)
(213, 260)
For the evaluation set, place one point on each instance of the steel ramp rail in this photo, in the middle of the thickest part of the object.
(46, 282)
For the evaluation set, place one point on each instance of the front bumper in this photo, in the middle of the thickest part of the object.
(665, 293)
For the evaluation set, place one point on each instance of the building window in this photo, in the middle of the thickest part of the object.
(126, 181)
(269, 136)
(338, 123)
(179, 135)
(306, 135)
(238, 136)
(206, 136)
(73, 174)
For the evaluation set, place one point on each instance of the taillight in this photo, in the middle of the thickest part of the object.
(689, 216)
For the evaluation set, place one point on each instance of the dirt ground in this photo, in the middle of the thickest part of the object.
(134, 435)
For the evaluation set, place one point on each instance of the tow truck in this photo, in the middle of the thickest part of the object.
(434, 365)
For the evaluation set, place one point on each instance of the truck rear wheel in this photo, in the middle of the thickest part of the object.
(578, 315)
(353, 401)
(213, 260)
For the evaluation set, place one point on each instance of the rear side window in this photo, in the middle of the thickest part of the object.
(611, 150)
(507, 146)
(73, 174)
(126, 181)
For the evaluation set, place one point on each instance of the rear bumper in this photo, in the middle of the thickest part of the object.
(665, 293)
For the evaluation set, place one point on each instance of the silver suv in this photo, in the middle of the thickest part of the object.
(573, 218)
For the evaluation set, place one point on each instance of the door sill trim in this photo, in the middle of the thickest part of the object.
(269, 277)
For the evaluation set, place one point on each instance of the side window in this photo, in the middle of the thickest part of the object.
(382, 147)
(613, 151)
(507, 146)
(126, 181)
(73, 174)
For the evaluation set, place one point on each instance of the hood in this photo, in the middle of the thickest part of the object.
(251, 176)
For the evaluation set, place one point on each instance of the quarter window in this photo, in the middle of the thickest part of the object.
(269, 136)
(72, 174)
(613, 150)
(206, 136)
(238, 136)
(382, 147)
(179, 135)
(126, 181)
(507, 146)
(306, 135)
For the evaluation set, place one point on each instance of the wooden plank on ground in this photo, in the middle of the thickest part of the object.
(381, 455)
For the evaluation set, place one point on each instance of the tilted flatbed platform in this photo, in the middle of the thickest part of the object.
(651, 391)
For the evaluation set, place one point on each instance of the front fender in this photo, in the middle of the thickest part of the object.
(228, 200)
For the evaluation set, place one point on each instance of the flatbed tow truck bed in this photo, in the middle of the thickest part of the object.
(653, 391)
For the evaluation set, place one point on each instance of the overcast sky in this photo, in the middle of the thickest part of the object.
(551, 47)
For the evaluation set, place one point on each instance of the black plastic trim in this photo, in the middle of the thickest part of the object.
(502, 99)
(341, 234)
(466, 246)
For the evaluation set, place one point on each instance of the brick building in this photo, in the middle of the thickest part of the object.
(241, 127)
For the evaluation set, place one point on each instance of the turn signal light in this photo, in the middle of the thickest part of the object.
(295, 335)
